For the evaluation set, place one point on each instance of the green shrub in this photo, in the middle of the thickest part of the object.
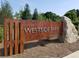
(1, 33)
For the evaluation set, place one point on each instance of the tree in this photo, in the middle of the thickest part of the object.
(77, 12)
(25, 14)
(72, 14)
(5, 11)
(41, 17)
(17, 16)
(78, 15)
(52, 16)
(35, 14)
(48, 15)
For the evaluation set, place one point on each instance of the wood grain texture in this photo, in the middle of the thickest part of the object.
(16, 40)
(5, 38)
(10, 37)
(21, 37)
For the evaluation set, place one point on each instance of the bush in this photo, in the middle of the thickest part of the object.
(1, 34)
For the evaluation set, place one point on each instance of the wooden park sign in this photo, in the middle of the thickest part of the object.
(16, 32)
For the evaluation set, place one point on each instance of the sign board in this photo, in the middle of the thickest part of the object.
(38, 30)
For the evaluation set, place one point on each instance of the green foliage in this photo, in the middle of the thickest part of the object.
(41, 17)
(5, 11)
(74, 16)
(17, 16)
(48, 15)
(1, 33)
(35, 14)
(77, 11)
(52, 16)
(25, 14)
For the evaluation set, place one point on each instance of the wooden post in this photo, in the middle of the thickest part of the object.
(21, 37)
(10, 37)
(16, 28)
(5, 38)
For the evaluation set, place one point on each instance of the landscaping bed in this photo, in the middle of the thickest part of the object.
(53, 49)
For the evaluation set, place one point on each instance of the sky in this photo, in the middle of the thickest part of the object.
(60, 7)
